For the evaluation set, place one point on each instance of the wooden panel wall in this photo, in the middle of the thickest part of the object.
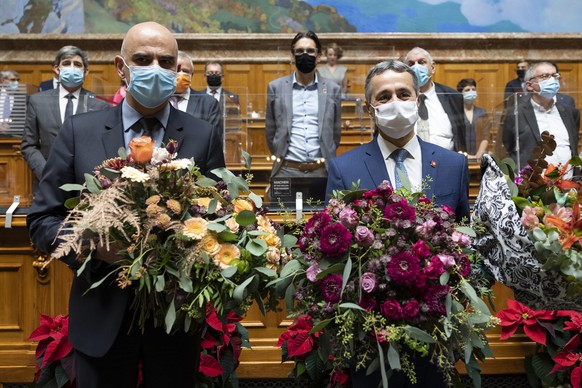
(251, 61)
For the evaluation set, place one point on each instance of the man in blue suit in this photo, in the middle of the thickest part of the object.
(391, 99)
(108, 348)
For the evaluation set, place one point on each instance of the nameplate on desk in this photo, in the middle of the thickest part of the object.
(280, 187)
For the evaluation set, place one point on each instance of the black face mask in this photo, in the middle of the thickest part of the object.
(520, 73)
(305, 63)
(214, 80)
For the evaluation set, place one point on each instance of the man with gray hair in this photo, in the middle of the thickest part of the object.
(47, 110)
(12, 103)
(540, 112)
(441, 117)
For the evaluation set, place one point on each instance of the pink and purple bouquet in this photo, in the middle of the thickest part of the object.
(383, 274)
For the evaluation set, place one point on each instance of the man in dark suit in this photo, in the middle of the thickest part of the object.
(47, 110)
(303, 115)
(517, 85)
(214, 73)
(538, 113)
(198, 104)
(441, 117)
(108, 349)
(392, 91)
(388, 83)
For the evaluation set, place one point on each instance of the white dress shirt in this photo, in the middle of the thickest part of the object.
(551, 121)
(63, 100)
(439, 125)
(413, 162)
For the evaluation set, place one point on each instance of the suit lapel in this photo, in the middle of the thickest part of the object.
(530, 119)
(174, 130)
(113, 135)
(288, 101)
(569, 124)
(375, 163)
(430, 166)
(322, 104)
(55, 107)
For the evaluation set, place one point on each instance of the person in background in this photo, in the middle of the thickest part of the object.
(538, 113)
(476, 120)
(46, 111)
(12, 103)
(108, 347)
(214, 73)
(332, 70)
(198, 104)
(517, 85)
(441, 120)
(303, 115)
(52, 83)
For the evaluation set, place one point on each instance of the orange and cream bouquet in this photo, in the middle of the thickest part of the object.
(186, 243)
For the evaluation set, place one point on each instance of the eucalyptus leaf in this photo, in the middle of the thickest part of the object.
(288, 241)
(160, 283)
(291, 268)
(467, 230)
(228, 272)
(218, 228)
(393, 357)
(419, 334)
(320, 326)
(258, 201)
(346, 274)
(239, 292)
(351, 306)
(246, 217)
(72, 187)
(93, 184)
(257, 247)
(170, 317)
(266, 271)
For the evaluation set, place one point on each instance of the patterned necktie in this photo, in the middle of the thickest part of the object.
(422, 110)
(149, 125)
(69, 107)
(399, 156)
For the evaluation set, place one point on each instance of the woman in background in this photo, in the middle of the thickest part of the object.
(331, 70)
(476, 120)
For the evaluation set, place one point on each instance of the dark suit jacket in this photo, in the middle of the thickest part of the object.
(452, 102)
(43, 122)
(85, 141)
(279, 116)
(46, 85)
(205, 107)
(564, 99)
(449, 172)
(513, 86)
(529, 132)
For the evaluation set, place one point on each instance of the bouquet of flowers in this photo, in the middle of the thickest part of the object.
(184, 241)
(557, 360)
(383, 276)
(530, 227)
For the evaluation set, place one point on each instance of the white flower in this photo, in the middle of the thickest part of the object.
(134, 174)
(160, 155)
(178, 164)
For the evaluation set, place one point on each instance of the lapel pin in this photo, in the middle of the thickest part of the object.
(433, 164)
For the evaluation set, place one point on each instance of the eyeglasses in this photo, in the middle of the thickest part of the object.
(211, 73)
(543, 77)
(310, 50)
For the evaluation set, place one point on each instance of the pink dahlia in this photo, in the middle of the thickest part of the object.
(391, 309)
(335, 240)
(421, 249)
(411, 309)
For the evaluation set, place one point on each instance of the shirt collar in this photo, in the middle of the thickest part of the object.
(387, 148)
(63, 92)
(185, 95)
(540, 108)
(311, 86)
(130, 116)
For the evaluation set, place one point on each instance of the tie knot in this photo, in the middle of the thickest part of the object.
(70, 96)
(149, 125)
(422, 97)
(399, 155)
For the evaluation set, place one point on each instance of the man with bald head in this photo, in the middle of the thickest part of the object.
(108, 345)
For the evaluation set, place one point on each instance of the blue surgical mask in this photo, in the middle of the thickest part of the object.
(421, 74)
(13, 85)
(470, 95)
(549, 88)
(71, 76)
(151, 86)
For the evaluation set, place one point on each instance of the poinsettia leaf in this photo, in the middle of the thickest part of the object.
(541, 364)
(40, 333)
(227, 363)
(68, 364)
(210, 366)
(301, 343)
(214, 322)
(313, 365)
(57, 350)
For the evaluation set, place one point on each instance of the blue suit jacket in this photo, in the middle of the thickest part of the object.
(448, 172)
(85, 141)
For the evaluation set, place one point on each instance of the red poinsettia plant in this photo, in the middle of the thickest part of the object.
(221, 347)
(558, 357)
(54, 353)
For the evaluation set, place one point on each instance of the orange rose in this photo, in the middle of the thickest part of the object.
(142, 148)
(243, 204)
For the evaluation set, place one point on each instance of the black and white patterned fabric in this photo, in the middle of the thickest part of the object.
(507, 250)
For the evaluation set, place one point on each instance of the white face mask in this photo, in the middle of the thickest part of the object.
(396, 119)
